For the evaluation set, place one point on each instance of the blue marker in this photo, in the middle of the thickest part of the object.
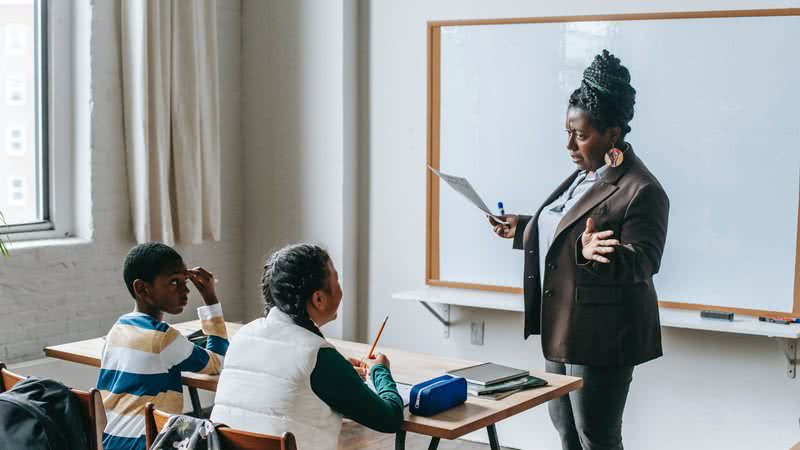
(500, 207)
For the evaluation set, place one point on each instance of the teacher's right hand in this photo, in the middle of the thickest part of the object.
(505, 231)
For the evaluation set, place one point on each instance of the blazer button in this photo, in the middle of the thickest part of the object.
(551, 266)
(530, 252)
(530, 277)
(548, 293)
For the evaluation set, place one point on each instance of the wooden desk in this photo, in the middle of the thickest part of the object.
(407, 367)
(88, 352)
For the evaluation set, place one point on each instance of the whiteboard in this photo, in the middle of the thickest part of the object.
(717, 120)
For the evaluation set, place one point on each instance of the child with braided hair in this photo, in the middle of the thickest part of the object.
(281, 375)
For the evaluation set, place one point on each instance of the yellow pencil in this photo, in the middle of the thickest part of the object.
(369, 355)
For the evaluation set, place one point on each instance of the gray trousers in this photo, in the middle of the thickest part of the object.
(591, 417)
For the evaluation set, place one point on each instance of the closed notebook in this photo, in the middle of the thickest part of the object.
(488, 373)
(513, 385)
(499, 395)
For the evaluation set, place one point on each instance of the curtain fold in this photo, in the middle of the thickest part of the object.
(170, 89)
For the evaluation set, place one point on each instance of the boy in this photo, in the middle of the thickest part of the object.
(143, 356)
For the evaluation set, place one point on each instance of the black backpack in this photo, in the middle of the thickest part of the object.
(40, 414)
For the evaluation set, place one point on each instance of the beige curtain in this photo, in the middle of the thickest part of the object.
(171, 108)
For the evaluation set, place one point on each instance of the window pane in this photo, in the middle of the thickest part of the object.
(20, 171)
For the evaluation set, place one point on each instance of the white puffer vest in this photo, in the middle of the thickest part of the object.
(265, 386)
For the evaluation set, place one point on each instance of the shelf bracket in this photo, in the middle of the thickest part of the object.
(789, 347)
(444, 320)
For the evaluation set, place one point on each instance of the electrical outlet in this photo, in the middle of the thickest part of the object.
(476, 332)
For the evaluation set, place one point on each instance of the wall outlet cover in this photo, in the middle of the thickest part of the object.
(476, 332)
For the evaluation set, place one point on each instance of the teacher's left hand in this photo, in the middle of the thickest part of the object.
(596, 244)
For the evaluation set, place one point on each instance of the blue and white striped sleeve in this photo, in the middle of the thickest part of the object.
(179, 352)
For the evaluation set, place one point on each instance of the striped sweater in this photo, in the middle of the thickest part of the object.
(142, 362)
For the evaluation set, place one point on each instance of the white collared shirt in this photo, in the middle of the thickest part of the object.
(553, 213)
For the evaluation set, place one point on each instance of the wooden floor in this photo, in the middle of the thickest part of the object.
(355, 436)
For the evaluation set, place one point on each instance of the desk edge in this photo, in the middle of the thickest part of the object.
(492, 418)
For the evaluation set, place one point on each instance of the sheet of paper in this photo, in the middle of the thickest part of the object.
(463, 187)
(403, 389)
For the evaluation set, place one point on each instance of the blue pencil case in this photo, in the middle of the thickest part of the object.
(437, 395)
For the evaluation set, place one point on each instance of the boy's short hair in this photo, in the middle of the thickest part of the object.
(146, 261)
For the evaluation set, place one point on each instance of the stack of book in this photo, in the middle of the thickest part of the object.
(496, 382)
(502, 390)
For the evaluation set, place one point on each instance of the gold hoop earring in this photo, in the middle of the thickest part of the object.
(614, 157)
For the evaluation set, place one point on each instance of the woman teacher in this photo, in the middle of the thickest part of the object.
(591, 251)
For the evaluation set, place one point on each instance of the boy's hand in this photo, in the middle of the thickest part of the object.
(204, 281)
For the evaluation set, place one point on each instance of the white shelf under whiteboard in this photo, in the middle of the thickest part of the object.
(670, 317)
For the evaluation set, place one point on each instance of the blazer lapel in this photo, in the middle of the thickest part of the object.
(599, 192)
(596, 194)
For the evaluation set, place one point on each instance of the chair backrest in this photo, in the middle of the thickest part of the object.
(92, 412)
(7, 378)
(154, 421)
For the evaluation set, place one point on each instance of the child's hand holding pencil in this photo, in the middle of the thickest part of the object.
(363, 366)
(377, 358)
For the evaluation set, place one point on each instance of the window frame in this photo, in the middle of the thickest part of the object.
(54, 131)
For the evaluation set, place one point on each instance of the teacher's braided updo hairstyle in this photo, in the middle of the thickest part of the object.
(291, 276)
(606, 94)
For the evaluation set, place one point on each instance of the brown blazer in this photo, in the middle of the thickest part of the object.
(591, 313)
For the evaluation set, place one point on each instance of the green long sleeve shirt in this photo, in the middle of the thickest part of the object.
(338, 385)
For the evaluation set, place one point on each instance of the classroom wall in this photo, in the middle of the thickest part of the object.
(61, 291)
(709, 391)
(299, 138)
(319, 157)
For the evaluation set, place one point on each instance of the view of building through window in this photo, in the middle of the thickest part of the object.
(18, 153)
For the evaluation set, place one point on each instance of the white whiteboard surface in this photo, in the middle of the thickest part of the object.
(716, 121)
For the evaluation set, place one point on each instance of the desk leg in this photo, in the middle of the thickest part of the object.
(493, 443)
(197, 408)
(400, 440)
(434, 443)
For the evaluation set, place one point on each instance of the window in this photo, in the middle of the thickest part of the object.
(15, 140)
(15, 39)
(35, 64)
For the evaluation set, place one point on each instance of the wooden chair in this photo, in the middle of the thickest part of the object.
(154, 421)
(93, 414)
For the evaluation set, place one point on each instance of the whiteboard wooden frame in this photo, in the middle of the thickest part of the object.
(432, 270)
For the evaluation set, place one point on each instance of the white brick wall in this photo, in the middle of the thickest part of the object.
(60, 293)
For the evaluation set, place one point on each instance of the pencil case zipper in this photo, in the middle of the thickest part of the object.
(419, 394)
